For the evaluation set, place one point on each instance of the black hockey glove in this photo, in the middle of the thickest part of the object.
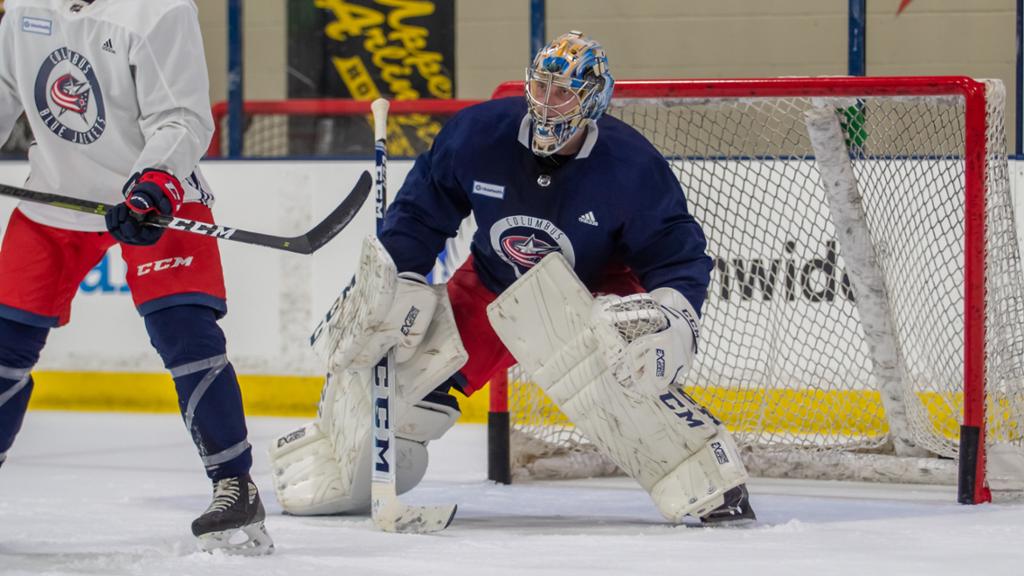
(148, 192)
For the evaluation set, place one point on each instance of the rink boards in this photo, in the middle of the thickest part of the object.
(274, 298)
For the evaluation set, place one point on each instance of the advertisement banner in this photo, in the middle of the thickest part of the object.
(363, 50)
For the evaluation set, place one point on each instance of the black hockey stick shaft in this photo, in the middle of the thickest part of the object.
(303, 244)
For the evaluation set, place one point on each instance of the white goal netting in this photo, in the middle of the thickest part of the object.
(817, 371)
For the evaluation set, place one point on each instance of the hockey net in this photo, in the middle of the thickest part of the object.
(892, 350)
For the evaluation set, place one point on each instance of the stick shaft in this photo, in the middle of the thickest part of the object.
(303, 244)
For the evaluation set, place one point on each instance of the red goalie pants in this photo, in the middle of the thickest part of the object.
(487, 353)
(42, 266)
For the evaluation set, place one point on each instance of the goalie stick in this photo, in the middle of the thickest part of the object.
(389, 513)
(303, 244)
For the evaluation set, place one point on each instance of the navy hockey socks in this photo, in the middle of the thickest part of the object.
(192, 347)
(20, 345)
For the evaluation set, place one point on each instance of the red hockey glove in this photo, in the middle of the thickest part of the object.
(146, 192)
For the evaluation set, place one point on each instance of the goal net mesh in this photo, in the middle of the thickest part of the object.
(783, 358)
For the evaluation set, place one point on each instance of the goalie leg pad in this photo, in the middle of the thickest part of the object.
(310, 479)
(668, 443)
(305, 473)
(324, 467)
(315, 467)
(699, 484)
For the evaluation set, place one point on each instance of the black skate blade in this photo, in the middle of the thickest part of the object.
(730, 517)
(734, 522)
(250, 540)
(735, 512)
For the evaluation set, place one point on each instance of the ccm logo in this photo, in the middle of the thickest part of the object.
(381, 416)
(165, 264)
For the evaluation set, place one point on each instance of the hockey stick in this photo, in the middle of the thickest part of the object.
(304, 244)
(389, 513)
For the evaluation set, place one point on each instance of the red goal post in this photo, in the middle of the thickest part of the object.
(928, 155)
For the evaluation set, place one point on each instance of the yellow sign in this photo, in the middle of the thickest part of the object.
(393, 58)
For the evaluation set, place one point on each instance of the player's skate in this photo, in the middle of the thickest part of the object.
(736, 510)
(234, 521)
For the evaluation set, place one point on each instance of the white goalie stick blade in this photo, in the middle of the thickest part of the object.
(388, 512)
(391, 515)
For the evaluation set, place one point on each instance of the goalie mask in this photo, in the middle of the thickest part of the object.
(567, 86)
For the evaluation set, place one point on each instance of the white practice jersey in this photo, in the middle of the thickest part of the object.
(109, 88)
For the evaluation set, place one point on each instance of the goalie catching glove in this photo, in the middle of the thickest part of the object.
(660, 331)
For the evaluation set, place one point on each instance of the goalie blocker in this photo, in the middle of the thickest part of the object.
(679, 453)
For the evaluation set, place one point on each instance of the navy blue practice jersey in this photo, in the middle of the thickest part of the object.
(616, 202)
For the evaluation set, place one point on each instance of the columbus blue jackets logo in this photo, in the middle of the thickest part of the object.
(69, 94)
(68, 97)
(526, 251)
(522, 241)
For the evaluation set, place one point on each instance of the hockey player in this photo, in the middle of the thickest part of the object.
(541, 175)
(116, 93)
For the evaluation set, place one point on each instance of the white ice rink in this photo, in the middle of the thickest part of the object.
(112, 494)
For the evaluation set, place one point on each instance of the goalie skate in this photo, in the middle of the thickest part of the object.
(734, 512)
(233, 523)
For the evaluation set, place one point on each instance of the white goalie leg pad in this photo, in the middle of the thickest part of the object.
(324, 467)
(670, 445)
(380, 309)
(310, 475)
(697, 485)
(304, 470)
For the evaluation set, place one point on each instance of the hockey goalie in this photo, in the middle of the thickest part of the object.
(568, 203)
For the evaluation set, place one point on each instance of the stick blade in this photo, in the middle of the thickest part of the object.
(340, 217)
(390, 515)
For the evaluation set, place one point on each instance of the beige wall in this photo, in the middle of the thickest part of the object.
(266, 52)
(975, 38)
(674, 38)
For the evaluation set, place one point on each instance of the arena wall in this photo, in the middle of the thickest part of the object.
(673, 39)
(102, 360)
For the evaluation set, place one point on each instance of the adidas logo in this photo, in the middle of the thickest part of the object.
(108, 46)
(588, 218)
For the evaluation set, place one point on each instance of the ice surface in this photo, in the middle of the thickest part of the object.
(112, 494)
